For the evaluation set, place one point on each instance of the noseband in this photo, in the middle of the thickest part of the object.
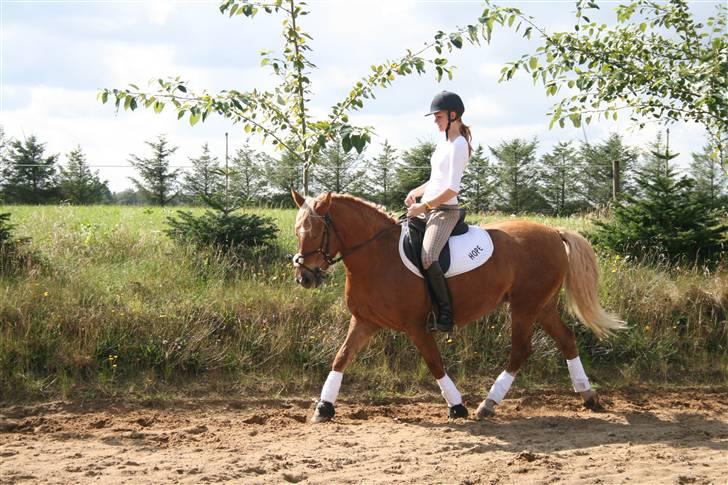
(324, 248)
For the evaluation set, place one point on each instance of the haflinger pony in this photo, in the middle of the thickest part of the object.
(529, 265)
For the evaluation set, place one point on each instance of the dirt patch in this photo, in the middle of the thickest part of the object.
(546, 437)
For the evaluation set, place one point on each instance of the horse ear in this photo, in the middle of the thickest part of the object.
(322, 206)
(297, 198)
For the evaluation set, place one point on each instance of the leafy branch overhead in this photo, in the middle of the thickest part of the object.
(282, 114)
(663, 66)
(657, 62)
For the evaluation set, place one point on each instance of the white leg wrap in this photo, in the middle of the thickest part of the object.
(578, 378)
(500, 387)
(449, 391)
(331, 387)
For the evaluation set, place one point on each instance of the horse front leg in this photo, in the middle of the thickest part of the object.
(359, 334)
(426, 344)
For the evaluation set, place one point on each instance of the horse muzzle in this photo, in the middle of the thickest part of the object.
(309, 278)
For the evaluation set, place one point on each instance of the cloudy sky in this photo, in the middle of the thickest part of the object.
(55, 55)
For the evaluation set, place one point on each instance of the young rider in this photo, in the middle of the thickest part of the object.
(439, 202)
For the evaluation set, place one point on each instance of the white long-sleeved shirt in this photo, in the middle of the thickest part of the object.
(448, 163)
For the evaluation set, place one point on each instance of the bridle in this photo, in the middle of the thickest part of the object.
(324, 248)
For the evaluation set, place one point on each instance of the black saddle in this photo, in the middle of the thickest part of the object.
(414, 237)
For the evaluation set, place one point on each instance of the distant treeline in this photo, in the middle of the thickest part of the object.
(571, 177)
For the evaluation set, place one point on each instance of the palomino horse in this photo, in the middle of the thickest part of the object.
(530, 263)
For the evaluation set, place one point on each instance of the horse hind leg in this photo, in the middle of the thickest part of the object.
(521, 333)
(554, 326)
(358, 335)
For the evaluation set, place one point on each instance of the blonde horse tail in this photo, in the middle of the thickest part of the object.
(581, 287)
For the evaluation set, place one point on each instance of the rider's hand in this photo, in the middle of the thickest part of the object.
(410, 199)
(416, 209)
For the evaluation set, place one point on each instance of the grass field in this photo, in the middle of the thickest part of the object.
(111, 306)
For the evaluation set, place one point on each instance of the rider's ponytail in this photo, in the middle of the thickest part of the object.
(465, 132)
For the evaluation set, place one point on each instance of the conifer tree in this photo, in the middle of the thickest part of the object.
(78, 184)
(560, 179)
(710, 178)
(608, 169)
(158, 183)
(382, 178)
(478, 183)
(517, 175)
(205, 183)
(339, 171)
(28, 175)
(248, 180)
(667, 216)
(413, 171)
(283, 173)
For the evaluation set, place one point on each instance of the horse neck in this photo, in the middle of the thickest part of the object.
(357, 222)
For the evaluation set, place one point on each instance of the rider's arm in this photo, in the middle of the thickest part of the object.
(418, 191)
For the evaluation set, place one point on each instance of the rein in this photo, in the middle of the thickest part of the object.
(324, 250)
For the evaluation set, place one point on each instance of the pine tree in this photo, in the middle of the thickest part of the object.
(517, 174)
(668, 217)
(248, 181)
(338, 171)
(657, 157)
(560, 172)
(78, 184)
(413, 171)
(282, 174)
(28, 176)
(204, 184)
(710, 179)
(158, 183)
(478, 183)
(608, 169)
(382, 177)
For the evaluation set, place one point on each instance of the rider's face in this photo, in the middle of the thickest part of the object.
(441, 120)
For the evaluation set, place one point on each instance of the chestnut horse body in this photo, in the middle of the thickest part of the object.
(529, 265)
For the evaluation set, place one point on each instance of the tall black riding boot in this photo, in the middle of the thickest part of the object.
(440, 296)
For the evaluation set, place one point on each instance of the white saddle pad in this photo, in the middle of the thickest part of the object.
(467, 251)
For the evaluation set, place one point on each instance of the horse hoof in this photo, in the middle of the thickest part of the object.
(591, 400)
(457, 411)
(485, 410)
(324, 412)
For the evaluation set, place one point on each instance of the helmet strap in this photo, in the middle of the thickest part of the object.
(447, 130)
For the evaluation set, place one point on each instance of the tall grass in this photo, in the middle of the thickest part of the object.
(116, 308)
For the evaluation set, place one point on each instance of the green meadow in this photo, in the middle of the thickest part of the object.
(110, 306)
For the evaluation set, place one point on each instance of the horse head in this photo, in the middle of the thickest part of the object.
(317, 239)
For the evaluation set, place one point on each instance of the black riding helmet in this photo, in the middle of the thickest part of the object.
(447, 101)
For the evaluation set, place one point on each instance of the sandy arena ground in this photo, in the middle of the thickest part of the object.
(672, 437)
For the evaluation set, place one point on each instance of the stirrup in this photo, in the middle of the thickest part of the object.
(433, 325)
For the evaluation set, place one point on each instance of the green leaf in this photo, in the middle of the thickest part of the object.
(194, 118)
(456, 40)
(104, 97)
(533, 62)
(182, 88)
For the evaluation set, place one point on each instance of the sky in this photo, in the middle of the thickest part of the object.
(56, 55)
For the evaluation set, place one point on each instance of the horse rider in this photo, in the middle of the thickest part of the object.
(438, 197)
